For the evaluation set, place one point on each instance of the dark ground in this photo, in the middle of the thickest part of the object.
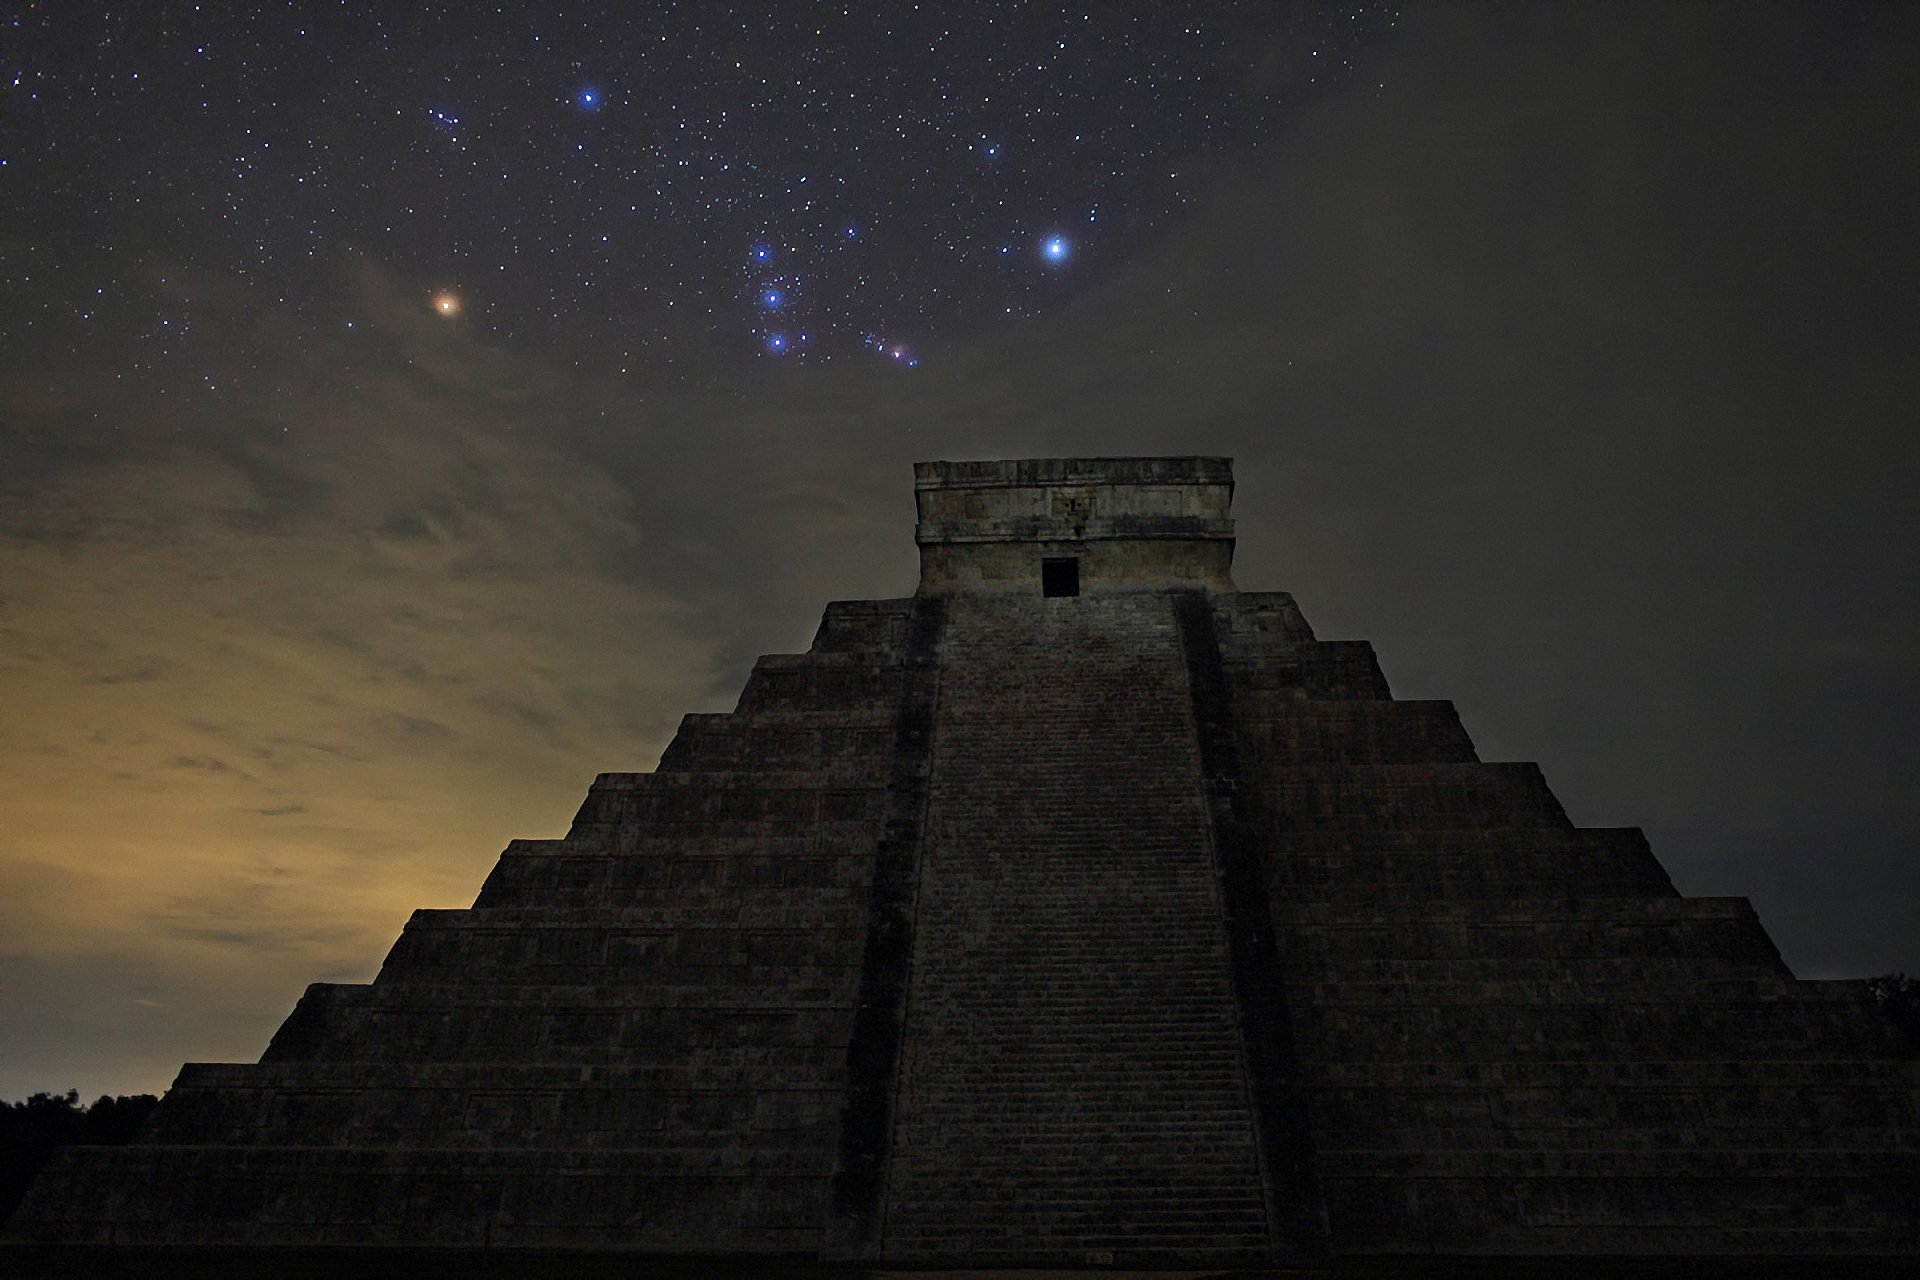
(20, 1260)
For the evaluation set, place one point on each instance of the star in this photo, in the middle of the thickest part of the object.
(587, 99)
(1055, 248)
(447, 303)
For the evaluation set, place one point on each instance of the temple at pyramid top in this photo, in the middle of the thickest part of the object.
(1073, 526)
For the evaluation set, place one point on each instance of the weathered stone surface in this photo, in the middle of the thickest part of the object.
(1126, 925)
(1129, 524)
(1073, 1082)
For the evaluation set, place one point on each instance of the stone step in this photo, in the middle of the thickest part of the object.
(1071, 1015)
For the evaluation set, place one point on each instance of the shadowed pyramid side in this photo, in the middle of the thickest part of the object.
(1515, 1037)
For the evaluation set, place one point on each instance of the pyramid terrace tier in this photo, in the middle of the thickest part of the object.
(717, 1023)
(1494, 1022)
(405, 1196)
(1373, 867)
(1805, 1105)
(788, 1102)
(1671, 1200)
(687, 872)
(1664, 937)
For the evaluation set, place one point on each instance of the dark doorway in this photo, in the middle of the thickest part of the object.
(1060, 575)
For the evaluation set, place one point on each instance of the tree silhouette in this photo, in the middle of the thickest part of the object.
(31, 1131)
(1899, 998)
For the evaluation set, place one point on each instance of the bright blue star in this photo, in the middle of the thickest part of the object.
(1055, 248)
(762, 254)
(771, 299)
(587, 99)
(776, 342)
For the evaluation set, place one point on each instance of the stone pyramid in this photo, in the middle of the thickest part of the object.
(1080, 910)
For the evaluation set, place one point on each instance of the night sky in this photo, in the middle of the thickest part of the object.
(408, 412)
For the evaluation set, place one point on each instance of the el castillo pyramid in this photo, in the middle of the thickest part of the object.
(1080, 910)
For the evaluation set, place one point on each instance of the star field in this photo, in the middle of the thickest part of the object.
(630, 183)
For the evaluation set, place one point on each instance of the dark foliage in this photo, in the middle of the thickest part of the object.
(31, 1131)
(1899, 998)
